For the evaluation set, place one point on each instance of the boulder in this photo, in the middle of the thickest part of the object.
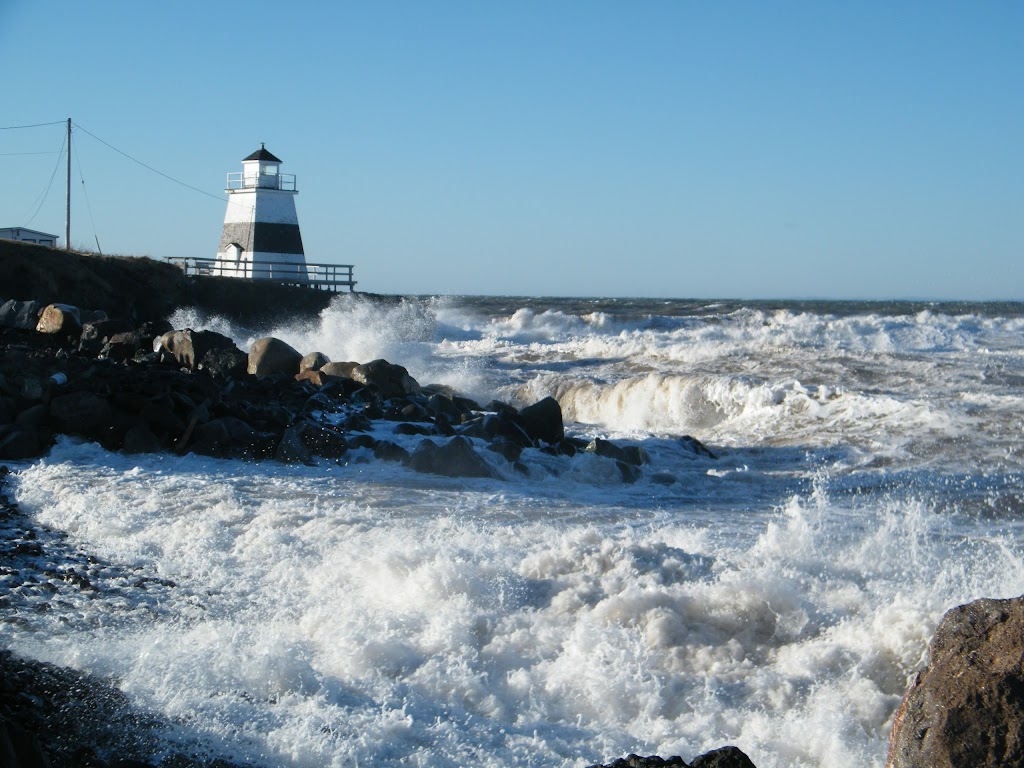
(341, 370)
(314, 361)
(223, 437)
(20, 314)
(724, 757)
(269, 357)
(696, 446)
(191, 348)
(225, 362)
(81, 413)
(391, 380)
(543, 420)
(316, 377)
(22, 444)
(966, 708)
(60, 319)
(292, 449)
(141, 439)
(456, 458)
(632, 454)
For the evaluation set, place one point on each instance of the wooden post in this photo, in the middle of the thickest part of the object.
(67, 218)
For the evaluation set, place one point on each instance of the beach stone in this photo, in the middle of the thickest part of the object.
(81, 413)
(190, 348)
(314, 361)
(140, 439)
(632, 454)
(696, 446)
(60, 318)
(966, 708)
(292, 449)
(385, 450)
(456, 458)
(316, 377)
(543, 420)
(226, 362)
(269, 356)
(20, 314)
(121, 346)
(224, 437)
(391, 380)
(341, 370)
(22, 444)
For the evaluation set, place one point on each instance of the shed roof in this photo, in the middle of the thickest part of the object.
(262, 154)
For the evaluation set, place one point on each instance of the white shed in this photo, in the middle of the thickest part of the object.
(23, 235)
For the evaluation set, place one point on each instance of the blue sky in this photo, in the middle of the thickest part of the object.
(677, 149)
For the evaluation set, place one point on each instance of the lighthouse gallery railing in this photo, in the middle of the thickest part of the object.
(327, 277)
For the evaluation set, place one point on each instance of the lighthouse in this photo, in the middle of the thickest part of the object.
(261, 236)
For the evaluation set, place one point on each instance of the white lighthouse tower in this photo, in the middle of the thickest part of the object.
(261, 236)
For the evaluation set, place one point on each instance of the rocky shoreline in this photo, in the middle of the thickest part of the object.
(130, 382)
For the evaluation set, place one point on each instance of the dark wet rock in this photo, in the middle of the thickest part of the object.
(60, 319)
(139, 438)
(314, 361)
(543, 420)
(630, 473)
(323, 440)
(509, 449)
(389, 451)
(408, 428)
(22, 444)
(456, 458)
(191, 349)
(628, 454)
(653, 761)
(497, 406)
(696, 446)
(966, 708)
(81, 413)
(269, 356)
(507, 427)
(20, 314)
(355, 442)
(224, 437)
(34, 417)
(664, 478)
(390, 379)
(292, 449)
(225, 362)
(725, 757)
(122, 346)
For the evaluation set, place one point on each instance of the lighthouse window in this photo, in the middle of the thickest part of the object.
(270, 170)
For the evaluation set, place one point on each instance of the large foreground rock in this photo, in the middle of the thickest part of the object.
(967, 707)
(269, 357)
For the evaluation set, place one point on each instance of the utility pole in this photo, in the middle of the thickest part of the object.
(67, 218)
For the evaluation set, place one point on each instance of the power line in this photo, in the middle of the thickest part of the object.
(149, 167)
(34, 125)
(42, 200)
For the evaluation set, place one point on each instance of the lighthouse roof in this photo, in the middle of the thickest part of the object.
(262, 154)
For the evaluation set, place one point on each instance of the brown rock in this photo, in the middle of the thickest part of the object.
(390, 379)
(342, 370)
(966, 708)
(313, 361)
(60, 318)
(269, 356)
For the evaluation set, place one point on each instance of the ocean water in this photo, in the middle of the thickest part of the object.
(866, 478)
